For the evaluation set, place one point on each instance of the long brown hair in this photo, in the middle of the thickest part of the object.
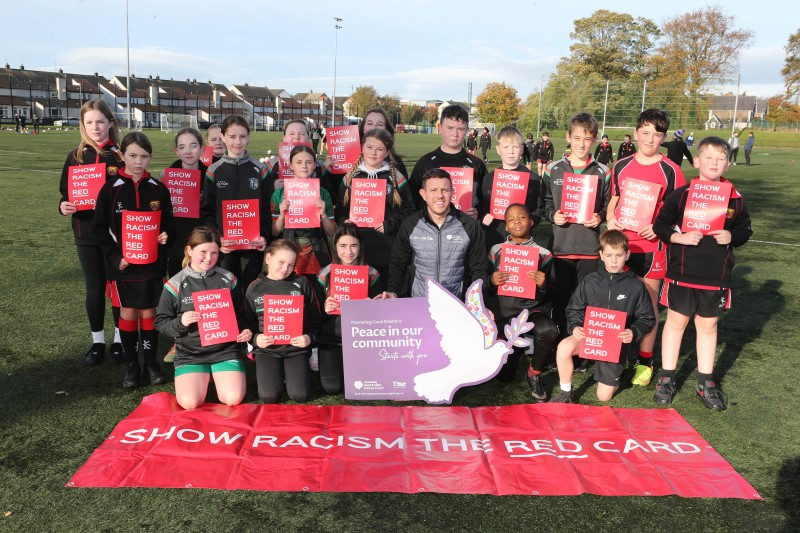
(113, 131)
(388, 141)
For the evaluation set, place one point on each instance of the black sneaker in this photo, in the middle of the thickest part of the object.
(711, 396)
(132, 377)
(95, 354)
(116, 354)
(537, 389)
(564, 396)
(665, 390)
(154, 373)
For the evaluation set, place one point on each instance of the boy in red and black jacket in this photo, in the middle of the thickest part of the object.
(698, 278)
(627, 148)
(604, 153)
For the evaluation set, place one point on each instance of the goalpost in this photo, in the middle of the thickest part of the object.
(128, 123)
(173, 122)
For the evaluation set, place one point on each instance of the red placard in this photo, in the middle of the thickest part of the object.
(284, 151)
(218, 322)
(706, 206)
(518, 261)
(637, 203)
(283, 317)
(367, 202)
(602, 328)
(241, 222)
(344, 147)
(85, 182)
(509, 187)
(140, 231)
(578, 196)
(303, 211)
(207, 157)
(462, 179)
(349, 283)
(184, 190)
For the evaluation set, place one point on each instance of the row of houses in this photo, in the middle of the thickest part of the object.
(53, 96)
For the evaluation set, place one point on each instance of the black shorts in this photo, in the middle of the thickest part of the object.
(610, 373)
(690, 301)
(650, 265)
(137, 294)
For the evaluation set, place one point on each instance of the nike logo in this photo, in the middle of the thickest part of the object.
(621, 297)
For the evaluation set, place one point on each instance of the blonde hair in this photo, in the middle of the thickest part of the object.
(507, 132)
(200, 235)
(113, 132)
(388, 141)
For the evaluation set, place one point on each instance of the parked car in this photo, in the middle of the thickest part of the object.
(71, 121)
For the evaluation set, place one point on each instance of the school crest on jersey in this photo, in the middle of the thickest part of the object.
(254, 183)
(730, 213)
(155, 205)
(112, 171)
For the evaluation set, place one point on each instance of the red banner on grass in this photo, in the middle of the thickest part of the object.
(218, 322)
(367, 202)
(85, 182)
(184, 190)
(706, 206)
(542, 449)
(241, 222)
(462, 179)
(344, 147)
(578, 196)
(349, 283)
(518, 261)
(303, 211)
(509, 187)
(140, 231)
(283, 317)
(602, 328)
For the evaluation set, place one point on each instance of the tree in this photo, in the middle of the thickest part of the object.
(530, 113)
(791, 67)
(410, 114)
(782, 111)
(431, 114)
(391, 104)
(498, 103)
(362, 99)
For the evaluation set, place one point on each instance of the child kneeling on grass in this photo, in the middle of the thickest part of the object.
(698, 276)
(176, 317)
(613, 288)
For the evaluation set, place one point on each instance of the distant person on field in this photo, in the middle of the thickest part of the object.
(698, 281)
(690, 140)
(604, 153)
(35, 123)
(544, 152)
(734, 143)
(485, 143)
(527, 155)
(748, 147)
(626, 149)
(677, 149)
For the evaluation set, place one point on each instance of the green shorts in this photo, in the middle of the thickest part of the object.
(233, 365)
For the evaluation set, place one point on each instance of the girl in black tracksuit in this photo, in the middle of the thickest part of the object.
(276, 364)
(99, 146)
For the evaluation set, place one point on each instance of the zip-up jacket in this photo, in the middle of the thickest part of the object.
(453, 254)
(177, 299)
(534, 201)
(707, 264)
(676, 150)
(82, 220)
(294, 285)
(544, 150)
(625, 150)
(619, 292)
(511, 306)
(604, 153)
(122, 194)
(231, 178)
(575, 239)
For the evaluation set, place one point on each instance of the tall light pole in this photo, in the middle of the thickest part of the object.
(128, 51)
(337, 27)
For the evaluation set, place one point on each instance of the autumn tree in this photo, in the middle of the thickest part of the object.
(791, 67)
(410, 114)
(782, 111)
(431, 114)
(391, 104)
(362, 99)
(498, 103)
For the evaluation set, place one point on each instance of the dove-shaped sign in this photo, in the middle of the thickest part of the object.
(423, 348)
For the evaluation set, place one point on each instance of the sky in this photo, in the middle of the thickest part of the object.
(415, 49)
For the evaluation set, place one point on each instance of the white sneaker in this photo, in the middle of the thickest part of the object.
(314, 361)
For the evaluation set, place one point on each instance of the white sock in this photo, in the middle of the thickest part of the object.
(116, 335)
(566, 387)
(99, 337)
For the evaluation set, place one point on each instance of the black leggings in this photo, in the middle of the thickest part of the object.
(94, 273)
(544, 335)
(271, 372)
(331, 369)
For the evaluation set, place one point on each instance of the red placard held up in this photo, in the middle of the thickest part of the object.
(207, 157)
(85, 182)
(349, 283)
(184, 190)
(283, 317)
(218, 322)
(241, 222)
(303, 211)
(462, 180)
(140, 231)
(344, 147)
(367, 202)
(509, 187)
(637, 204)
(578, 196)
(706, 206)
(518, 261)
(284, 151)
(602, 328)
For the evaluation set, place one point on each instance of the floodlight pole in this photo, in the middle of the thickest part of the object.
(128, 51)
(337, 27)
(605, 108)
(539, 114)
(644, 92)
(735, 104)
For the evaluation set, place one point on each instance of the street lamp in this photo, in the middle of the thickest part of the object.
(337, 27)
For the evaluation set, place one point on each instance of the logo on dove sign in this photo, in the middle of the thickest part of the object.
(469, 342)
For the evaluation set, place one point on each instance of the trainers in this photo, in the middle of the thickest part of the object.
(95, 354)
(665, 390)
(132, 377)
(582, 366)
(116, 354)
(642, 374)
(537, 389)
(711, 396)
(313, 362)
(564, 396)
(154, 373)
(170, 357)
